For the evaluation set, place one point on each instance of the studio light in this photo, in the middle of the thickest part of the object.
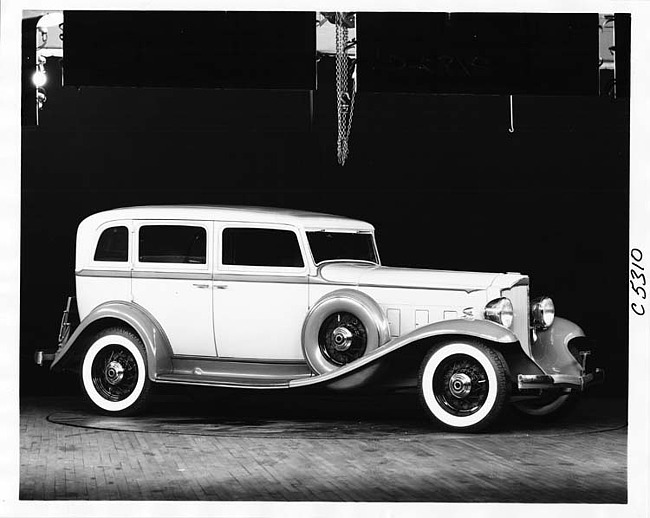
(39, 78)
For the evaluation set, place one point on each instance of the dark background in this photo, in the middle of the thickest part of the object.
(441, 178)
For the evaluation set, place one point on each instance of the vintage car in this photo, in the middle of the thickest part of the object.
(266, 298)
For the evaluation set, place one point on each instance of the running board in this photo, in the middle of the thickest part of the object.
(224, 381)
(220, 372)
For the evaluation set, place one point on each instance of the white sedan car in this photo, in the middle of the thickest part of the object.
(278, 299)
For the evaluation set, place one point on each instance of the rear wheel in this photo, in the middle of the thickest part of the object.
(114, 373)
(464, 385)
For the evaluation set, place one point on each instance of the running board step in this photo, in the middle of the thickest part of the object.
(224, 381)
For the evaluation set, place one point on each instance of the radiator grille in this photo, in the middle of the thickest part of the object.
(521, 325)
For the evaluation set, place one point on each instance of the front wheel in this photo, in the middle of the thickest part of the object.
(554, 405)
(464, 385)
(114, 373)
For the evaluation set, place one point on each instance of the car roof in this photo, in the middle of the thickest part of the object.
(232, 213)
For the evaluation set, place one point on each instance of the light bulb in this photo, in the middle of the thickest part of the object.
(39, 78)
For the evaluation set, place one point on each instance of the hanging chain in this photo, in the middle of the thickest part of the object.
(344, 92)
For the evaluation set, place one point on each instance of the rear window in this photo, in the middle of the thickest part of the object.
(261, 247)
(113, 245)
(172, 244)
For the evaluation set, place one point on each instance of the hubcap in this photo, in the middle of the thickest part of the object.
(114, 372)
(342, 338)
(460, 385)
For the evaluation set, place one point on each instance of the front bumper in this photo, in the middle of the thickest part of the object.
(550, 381)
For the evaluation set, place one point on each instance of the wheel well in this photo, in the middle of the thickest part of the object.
(516, 360)
(439, 340)
(72, 361)
(404, 364)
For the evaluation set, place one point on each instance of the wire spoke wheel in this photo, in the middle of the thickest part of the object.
(114, 373)
(341, 327)
(461, 385)
(342, 338)
(464, 385)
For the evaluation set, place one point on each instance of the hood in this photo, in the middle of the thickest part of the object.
(373, 275)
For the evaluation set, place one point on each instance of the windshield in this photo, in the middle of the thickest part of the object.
(326, 246)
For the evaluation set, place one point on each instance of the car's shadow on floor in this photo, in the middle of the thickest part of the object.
(213, 412)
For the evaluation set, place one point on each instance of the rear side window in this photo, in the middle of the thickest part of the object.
(172, 244)
(261, 247)
(113, 245)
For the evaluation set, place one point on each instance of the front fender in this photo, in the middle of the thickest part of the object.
(483, 329)
(357, 373)
(551, 352)
(143, 323)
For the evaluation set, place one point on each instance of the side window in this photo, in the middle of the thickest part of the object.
(261, 247)
(113, 245)
(172, 244)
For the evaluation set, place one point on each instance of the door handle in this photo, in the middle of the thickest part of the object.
(221, 286)
(202, 286)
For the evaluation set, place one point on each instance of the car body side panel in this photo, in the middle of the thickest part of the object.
(159, 353)
(96, 288)
(409, 310)
(100, 281)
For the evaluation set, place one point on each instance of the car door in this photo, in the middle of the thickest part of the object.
(260, 292)
(172, 280)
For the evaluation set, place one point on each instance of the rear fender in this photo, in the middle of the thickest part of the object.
(112, 313)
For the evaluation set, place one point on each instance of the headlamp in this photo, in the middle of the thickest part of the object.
(500, 311)
(542, 312)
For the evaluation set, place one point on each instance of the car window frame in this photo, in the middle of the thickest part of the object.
(167, 266)
(110, 265)
(98, 241)
(342, 231)
(275, 270)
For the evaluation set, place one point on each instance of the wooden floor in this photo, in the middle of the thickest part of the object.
(316, 448)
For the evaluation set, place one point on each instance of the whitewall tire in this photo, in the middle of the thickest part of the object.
(342, 327)
(464, 385)
(114, 373)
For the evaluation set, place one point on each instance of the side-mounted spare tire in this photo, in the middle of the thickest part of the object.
(342, 327)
